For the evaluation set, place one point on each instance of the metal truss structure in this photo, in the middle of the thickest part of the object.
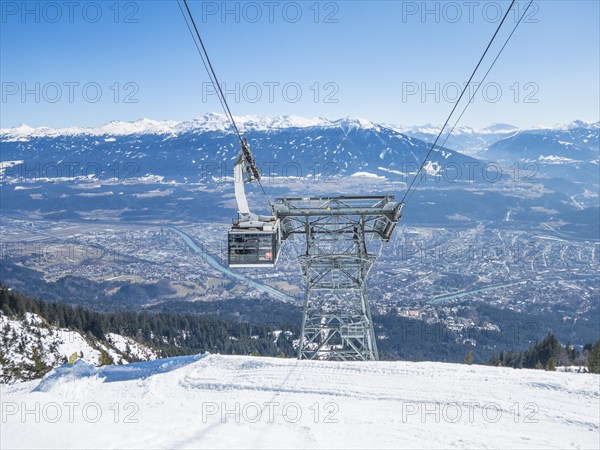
(339, 232)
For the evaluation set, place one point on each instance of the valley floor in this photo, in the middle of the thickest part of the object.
(213, 401)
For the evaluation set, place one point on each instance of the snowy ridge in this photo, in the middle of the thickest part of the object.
(218, 122)
(214, 401)
(205, 123)
(27, 341)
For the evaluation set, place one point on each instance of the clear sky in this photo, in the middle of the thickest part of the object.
(86, 63)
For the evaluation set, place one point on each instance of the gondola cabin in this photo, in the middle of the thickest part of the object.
(254, 247)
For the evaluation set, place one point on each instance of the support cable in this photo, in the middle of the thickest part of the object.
(213, 78)
(458, 101)
(481, 82)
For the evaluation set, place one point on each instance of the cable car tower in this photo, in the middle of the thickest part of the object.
(341, 235)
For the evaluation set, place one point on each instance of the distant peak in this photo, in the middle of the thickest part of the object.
(354, 122)
(583, 124)
(498, 127)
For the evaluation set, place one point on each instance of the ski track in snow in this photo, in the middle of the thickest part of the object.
(379, 404)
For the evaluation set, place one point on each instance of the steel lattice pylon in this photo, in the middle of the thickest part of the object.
(337, 322)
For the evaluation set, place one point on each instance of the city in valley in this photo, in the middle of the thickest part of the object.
(430, 274)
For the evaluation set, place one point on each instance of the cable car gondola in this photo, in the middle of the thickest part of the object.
(253, 240)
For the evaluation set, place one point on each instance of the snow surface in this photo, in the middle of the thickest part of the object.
(54, 343)
(7, 165)
(552, 159)
(213, 401)
(131, 347)
(367, 175)
(20, 336)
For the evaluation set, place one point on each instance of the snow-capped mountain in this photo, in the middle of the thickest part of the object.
(464, 139)
(570, 152)
(288, 146)
(162, 167)
(578, 142)
(205, 123)
(214, 401)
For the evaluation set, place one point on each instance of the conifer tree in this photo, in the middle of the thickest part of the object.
(469, 358)
(539, 366)
(594, 358)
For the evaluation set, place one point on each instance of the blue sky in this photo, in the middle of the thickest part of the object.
(103, 61)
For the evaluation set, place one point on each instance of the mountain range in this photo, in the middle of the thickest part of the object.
(351, 143)
(490, 171)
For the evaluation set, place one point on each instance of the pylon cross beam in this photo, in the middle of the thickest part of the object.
(339, 233)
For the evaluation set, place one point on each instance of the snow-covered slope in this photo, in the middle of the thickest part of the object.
(244, 402)
(30, 346)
